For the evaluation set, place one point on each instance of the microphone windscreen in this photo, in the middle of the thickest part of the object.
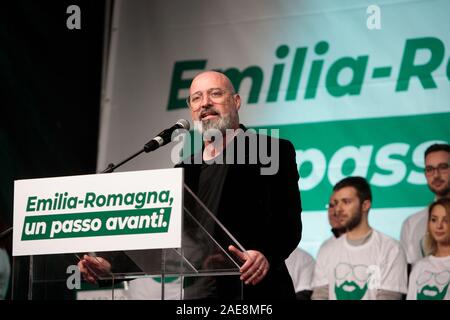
(184, 124)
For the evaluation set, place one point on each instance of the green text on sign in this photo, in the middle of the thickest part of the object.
(95, 224)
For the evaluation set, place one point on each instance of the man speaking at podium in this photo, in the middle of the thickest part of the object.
(261, 209)
(256, 201)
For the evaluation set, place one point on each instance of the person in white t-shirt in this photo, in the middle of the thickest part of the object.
(437, 173)
(430, 277)
(300, 265)
(362, 264)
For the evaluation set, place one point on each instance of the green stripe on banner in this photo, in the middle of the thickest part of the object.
(95, 224)
(386, 151)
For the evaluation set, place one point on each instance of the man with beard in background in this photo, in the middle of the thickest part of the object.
(363, 263)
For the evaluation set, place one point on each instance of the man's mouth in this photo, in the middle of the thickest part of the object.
(207, 115)
(437, 183)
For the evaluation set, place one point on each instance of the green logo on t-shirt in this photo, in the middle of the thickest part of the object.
(349, 290)
(432, 286)
(432, 293)
(351, 281)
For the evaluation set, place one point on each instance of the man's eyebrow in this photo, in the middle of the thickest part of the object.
(210, 89)
(341, 199)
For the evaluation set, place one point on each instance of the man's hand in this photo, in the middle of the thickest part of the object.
(213, 260)
(255, 265)
(92, 267)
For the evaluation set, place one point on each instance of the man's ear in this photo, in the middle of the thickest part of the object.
(367, 204)
(237, 101)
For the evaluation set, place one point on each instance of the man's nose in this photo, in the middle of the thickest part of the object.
(436, 173)
(206, 101)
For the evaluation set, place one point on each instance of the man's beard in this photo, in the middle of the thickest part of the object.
(222, 123)
(337, 232)
(353, 221)
(441, 193)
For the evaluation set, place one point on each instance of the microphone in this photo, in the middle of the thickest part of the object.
(165, 136)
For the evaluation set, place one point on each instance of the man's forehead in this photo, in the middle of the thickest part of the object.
(206, 81)
(437, 157)
(345, 192)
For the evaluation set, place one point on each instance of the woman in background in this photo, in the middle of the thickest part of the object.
(430, 277)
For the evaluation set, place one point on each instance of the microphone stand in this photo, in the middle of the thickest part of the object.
(111, 167)
(149, 146)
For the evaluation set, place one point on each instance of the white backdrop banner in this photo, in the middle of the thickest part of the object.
(360, 89)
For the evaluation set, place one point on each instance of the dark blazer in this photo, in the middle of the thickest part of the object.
(263, 212)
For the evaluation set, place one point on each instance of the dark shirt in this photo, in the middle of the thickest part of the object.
(210, 185)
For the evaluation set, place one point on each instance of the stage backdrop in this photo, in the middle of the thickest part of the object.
(359, 91)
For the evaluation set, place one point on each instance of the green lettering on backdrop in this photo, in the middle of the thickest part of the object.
(179, 83)
(296, 72)
(409, 69)
(277, 74)
(423, 72)
(358, 67)
(391, 160)
(316, 70)
(255, 73)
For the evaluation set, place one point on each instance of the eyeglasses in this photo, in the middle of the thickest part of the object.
(442, 167)
(441, 278)
(216, 95)
(360, 272)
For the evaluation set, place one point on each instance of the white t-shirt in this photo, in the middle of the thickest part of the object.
(413, 234)
(357, 272)
(5, 272)
(430, 279)
(330, 239)
(300, 265)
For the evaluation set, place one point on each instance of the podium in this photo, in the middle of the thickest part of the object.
(202, 268)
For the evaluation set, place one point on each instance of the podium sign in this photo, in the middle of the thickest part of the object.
(99, 212)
